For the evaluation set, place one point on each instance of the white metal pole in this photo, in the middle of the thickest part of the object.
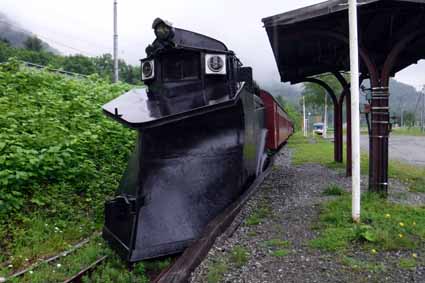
(355, 111)
(304, 123)
(325, 126)
(401, 115)
(116, 75)
(423, 110)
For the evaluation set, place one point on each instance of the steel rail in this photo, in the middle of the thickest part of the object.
(180, 270)
(78, 278)
(52, 258)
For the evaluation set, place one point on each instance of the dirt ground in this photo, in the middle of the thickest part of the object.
(294, 194)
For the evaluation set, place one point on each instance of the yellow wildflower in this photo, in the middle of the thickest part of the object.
(374, 251)
(401, 224)
(414, 255)
(400, 235)
(387, 215)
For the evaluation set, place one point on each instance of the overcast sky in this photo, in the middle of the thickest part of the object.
(85, 26)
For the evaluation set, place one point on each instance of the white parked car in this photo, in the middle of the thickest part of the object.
(318, 128)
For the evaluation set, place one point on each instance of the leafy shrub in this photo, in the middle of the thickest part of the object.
(59, 155)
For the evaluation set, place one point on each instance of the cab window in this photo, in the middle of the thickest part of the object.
(180, 66)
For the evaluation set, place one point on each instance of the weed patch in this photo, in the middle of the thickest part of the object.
(407, 263)
(276, 243)
(157, 265)
(362, 265)
(239, 256)
(280, 253)
(386, 226)
(264, 211)
(216, 271)
(333, 190)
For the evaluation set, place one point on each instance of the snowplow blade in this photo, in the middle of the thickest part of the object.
(186, 168)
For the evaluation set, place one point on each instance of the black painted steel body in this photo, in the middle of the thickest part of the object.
(201, 142)
(182, 174)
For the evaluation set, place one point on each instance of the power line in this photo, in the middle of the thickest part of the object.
(48, 39)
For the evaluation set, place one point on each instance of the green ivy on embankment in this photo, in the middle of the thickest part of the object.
(60, 158)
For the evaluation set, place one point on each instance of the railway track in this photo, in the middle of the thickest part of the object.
(51, 259)
(184, 264)
(87, 271)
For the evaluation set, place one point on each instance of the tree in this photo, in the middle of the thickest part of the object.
(315, 94)
(79, 64)
(128, 73)
(104, 66)
(409, 119)
(5, 41)
(293, 113)
(33, 43)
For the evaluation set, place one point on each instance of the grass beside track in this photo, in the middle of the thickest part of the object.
(408, 132)
(385, 225)
(318, 150)
(112, 270)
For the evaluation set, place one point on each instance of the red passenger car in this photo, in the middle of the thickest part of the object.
(279, 126)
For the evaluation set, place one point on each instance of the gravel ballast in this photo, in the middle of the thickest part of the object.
(292, 196)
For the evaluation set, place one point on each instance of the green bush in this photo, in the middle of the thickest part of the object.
(60, 157)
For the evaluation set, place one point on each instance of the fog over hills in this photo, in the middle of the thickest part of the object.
(403, 96)
(15, 35)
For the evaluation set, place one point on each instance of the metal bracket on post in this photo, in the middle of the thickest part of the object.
(380, 117)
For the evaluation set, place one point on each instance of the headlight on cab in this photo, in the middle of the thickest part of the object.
(148, 70)
(215, 64)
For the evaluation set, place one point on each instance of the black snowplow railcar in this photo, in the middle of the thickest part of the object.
(201, 142)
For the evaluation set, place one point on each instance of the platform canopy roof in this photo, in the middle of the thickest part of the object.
(314, 40)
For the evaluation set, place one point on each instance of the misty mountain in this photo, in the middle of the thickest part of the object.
(402, 97)
(290, 92)
(16, 36)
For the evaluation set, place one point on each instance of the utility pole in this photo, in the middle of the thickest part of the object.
(402, 118)
(423, 110)
(116, 75)
(400, 101)
(325, 126)
(304, 122)
(355, 115)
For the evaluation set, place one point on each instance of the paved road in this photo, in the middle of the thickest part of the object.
(408, 149)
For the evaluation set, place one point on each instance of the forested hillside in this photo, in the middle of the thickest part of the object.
(403, 97)
(101, 65)
(16, 36)
(23, 45)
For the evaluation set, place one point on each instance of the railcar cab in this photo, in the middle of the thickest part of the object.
(184, 70)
